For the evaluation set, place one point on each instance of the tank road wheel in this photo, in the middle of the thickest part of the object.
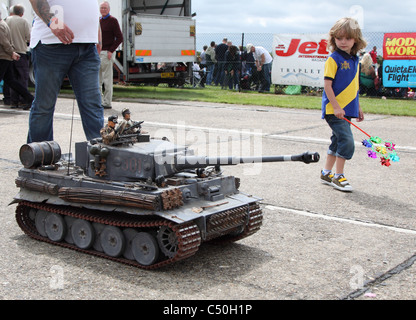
(98, 227)
(145, 249)
(83, 234)
(40, 222)
(69, 221)
(32, 214)
(55, 227)
(129, 234)
(112, 241)
(168, 241)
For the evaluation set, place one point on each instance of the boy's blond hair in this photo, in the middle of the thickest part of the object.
(349, 28)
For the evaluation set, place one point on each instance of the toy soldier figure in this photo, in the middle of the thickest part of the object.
(128, 126)
(126, 123)
(108, 133)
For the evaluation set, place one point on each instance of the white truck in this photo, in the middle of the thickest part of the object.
(159, 39)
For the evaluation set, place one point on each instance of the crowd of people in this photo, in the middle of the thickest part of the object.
(233, 67)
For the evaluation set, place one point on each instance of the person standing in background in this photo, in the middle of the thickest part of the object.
(7, 55)
(211, 62)
(220, 51)
(203, 58)
(232, 67)
(112, 37)
(373, 54)
(6, 89)
(20, 33)
(263, 61)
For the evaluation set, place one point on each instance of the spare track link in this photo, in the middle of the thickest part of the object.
(188, 234)
(254, 224)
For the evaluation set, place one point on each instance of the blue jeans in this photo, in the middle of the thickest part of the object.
(51, 64)
(266, 81)
(210, 70)
(342, 140)
(219, 78)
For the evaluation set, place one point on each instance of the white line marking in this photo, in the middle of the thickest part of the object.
(325, 217)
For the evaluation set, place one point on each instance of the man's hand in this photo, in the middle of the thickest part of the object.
(63, 33)
(15, 56)
(58, 28)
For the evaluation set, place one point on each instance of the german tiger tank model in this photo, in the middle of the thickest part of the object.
(140, 201)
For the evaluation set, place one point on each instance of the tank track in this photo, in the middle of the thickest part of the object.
(188, 234)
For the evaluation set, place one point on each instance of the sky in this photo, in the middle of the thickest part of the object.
(295, 16)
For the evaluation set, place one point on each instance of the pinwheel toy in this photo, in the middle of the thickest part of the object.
(377, 147)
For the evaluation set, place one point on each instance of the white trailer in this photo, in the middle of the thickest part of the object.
(159, 39)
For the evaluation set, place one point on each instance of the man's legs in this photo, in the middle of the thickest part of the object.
(210, 70)
(266, 74)
(106, 78)
(4, 64)
(84, 77)
(8, 77)
(51, 63)
(21, 73)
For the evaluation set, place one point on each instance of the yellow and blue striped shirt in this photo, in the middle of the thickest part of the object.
(344, 71)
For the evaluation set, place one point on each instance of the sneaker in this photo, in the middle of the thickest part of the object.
(342, 184)
(327, 178)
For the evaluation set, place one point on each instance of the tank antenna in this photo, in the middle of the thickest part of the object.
(70, 137)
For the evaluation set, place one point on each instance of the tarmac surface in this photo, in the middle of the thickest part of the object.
(315, 243)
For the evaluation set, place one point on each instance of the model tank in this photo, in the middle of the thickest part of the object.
(141, 201)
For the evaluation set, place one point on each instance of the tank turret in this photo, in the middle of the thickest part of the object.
(156, 160)
(140, 201)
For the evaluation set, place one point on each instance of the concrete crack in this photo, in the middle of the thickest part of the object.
(385, 276)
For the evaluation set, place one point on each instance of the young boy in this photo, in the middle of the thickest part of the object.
(340, 98)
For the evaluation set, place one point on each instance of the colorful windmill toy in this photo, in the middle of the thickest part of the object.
(376, 147)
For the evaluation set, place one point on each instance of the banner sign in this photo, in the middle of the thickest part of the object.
(399, 46)
(299, 59)
(399, 73)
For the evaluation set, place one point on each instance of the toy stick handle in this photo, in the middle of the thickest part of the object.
(357, 127)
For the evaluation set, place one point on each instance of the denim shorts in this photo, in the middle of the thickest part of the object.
(342, 140)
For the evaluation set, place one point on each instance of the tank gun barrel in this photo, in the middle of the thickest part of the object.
(190, 162)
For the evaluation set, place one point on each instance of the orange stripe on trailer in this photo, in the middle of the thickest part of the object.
(188, 52)
(143, 53)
